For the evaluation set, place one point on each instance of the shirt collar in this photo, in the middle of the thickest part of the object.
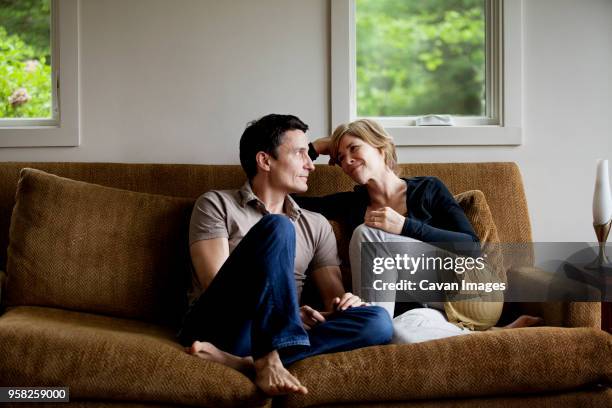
(247, 196)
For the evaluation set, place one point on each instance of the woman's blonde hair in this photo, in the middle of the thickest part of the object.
(370, 132)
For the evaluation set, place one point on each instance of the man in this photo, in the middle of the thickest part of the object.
(251, 249)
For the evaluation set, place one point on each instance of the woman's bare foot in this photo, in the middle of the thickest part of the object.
(208, 351)
(525, 321)
(274, 379)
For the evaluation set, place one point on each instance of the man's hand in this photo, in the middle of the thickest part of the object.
(310, 317)
(347, 300)
(386, 219)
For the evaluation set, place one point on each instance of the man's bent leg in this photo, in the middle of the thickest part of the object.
(210, 352)
(250, 307)
(354, 328)
(273, 378)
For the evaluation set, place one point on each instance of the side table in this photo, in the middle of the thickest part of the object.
(606, 316)
(601, 279)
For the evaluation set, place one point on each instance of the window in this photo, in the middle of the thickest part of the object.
(39, 73)
(397, 60)
(25, 41)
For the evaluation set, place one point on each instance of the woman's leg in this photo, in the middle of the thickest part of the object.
(480, 312)
(423, 324)
(363, 280)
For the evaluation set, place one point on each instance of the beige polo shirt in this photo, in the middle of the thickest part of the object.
(232, 213)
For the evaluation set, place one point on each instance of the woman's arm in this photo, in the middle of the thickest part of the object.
(332, 206)
(427, 233)
(449, 221)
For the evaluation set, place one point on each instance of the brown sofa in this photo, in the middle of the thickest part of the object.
(111, 350)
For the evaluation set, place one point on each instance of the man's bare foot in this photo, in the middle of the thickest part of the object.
(274, 379)
(208, 351)
(525, 321)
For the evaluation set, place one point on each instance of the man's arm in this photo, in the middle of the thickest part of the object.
(208, 256)
(328, 280)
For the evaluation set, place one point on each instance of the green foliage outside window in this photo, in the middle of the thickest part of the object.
(25, 66)
(417, 57)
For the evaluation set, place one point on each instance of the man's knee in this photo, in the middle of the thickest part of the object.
(273, 242)
(276, 225)
(377, 327)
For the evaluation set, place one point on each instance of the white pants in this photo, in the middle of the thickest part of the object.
(423, 324)
(415, 325)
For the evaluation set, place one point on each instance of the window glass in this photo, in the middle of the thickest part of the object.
(417, 57)
(25, 59)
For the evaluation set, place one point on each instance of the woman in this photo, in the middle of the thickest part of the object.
(387, 208)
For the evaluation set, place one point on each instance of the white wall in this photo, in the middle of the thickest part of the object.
(176, 82)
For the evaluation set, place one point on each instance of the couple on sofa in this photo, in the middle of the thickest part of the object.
(251, 249)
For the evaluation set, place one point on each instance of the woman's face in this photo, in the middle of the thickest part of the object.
(360, 160)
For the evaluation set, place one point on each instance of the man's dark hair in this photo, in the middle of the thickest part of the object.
(265, 135)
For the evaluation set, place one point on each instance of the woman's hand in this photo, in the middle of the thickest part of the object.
(386, 219)
(347, 300)
(323, 146)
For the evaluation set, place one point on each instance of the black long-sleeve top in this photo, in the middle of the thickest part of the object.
(433, 213)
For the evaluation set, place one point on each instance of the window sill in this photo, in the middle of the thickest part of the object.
(455, 135)
(40, 136)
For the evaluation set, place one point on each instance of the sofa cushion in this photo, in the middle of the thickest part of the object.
(502, 362)
(106, 358)
(476, 209)
(474, 204)
(480, 315)
(97, 249)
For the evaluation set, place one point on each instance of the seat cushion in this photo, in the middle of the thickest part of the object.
(587, 398)
(501, 362)
(106, 358)
(90, 248)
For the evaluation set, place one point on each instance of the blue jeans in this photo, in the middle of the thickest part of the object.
(251, 306)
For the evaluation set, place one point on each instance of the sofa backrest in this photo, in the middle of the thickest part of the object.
(96, 249)
(500, 182)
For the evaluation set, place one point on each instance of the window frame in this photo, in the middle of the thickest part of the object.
(63, 128)
(503, 124)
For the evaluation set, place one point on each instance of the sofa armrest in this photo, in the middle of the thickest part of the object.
(567, 314)
(2, 283)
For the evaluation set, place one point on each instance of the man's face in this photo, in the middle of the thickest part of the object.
(290, 170)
